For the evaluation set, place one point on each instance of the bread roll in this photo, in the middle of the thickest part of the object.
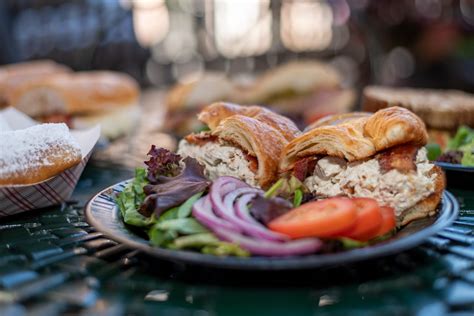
(14, 76)
(31, 68)
(77, 93)
(336, 119)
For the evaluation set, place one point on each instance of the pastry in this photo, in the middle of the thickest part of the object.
(36, 153)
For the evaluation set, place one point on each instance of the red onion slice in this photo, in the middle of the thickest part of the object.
(250, 228)
(219, 189)
(268, 248)
(202, 211)
(224, 211)
(242, 211)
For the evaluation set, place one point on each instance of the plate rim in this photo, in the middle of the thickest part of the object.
(454, 167)
(449, 214)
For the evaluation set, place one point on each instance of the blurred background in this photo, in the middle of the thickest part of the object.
(427, 43)
(184, 54)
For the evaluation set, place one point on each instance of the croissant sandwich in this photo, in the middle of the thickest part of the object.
(380, 156)
(244, 142)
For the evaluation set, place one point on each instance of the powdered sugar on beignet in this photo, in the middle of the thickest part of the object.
(36, 153)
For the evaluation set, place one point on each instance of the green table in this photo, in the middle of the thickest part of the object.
(52, 262)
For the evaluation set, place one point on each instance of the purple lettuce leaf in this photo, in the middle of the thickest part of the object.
(168, 192)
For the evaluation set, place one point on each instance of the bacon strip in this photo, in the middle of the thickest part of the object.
(201, 138)
(253, 162)
(401, 158)
(304, 167)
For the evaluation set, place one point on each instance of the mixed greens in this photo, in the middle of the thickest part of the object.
(159, 200)
(460, 148)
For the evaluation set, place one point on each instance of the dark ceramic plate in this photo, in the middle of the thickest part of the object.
(102, 213)
(458, 176)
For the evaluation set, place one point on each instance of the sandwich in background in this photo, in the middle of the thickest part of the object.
(14, 76)
(80, 99)
(443, 111)
(185, 100)
(302, 90)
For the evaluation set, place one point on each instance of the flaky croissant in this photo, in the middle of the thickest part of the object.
(258, 140)
(214, 113)
(357, 137)
(259, 133)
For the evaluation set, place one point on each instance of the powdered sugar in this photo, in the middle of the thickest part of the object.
(4, 126)
(34, 147)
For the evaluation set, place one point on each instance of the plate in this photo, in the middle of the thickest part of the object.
(103, 214)
(455, 167)
(458, 176)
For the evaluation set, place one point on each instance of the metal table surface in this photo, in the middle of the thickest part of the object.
(53, 263)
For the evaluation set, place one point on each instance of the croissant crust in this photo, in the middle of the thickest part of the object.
(259, 140)
(359, 137)
(215, 113)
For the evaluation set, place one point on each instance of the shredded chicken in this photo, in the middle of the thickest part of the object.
(366, 179)
(221, 160)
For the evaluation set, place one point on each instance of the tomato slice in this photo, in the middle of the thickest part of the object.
(389, 220)
(322, 218)
(369, 219)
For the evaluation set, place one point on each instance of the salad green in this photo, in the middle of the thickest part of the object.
(460, 148)
(130, 199)
(175, 228)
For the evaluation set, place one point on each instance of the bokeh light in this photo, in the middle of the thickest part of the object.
(242, 28)
(306, 25)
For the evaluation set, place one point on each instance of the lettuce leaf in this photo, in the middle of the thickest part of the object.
(209, 244)
(265, 210)
(285, 187)
(433, 151)
(468, 154)
(169, 192)
(130, 199)
(464, 136)
(162, 162)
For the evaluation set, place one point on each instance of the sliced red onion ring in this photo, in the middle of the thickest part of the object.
(219, 189)
(242, 210)
(224, 211)
(202, 211)
(268, 248)
(251, 228)
(228, 184)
